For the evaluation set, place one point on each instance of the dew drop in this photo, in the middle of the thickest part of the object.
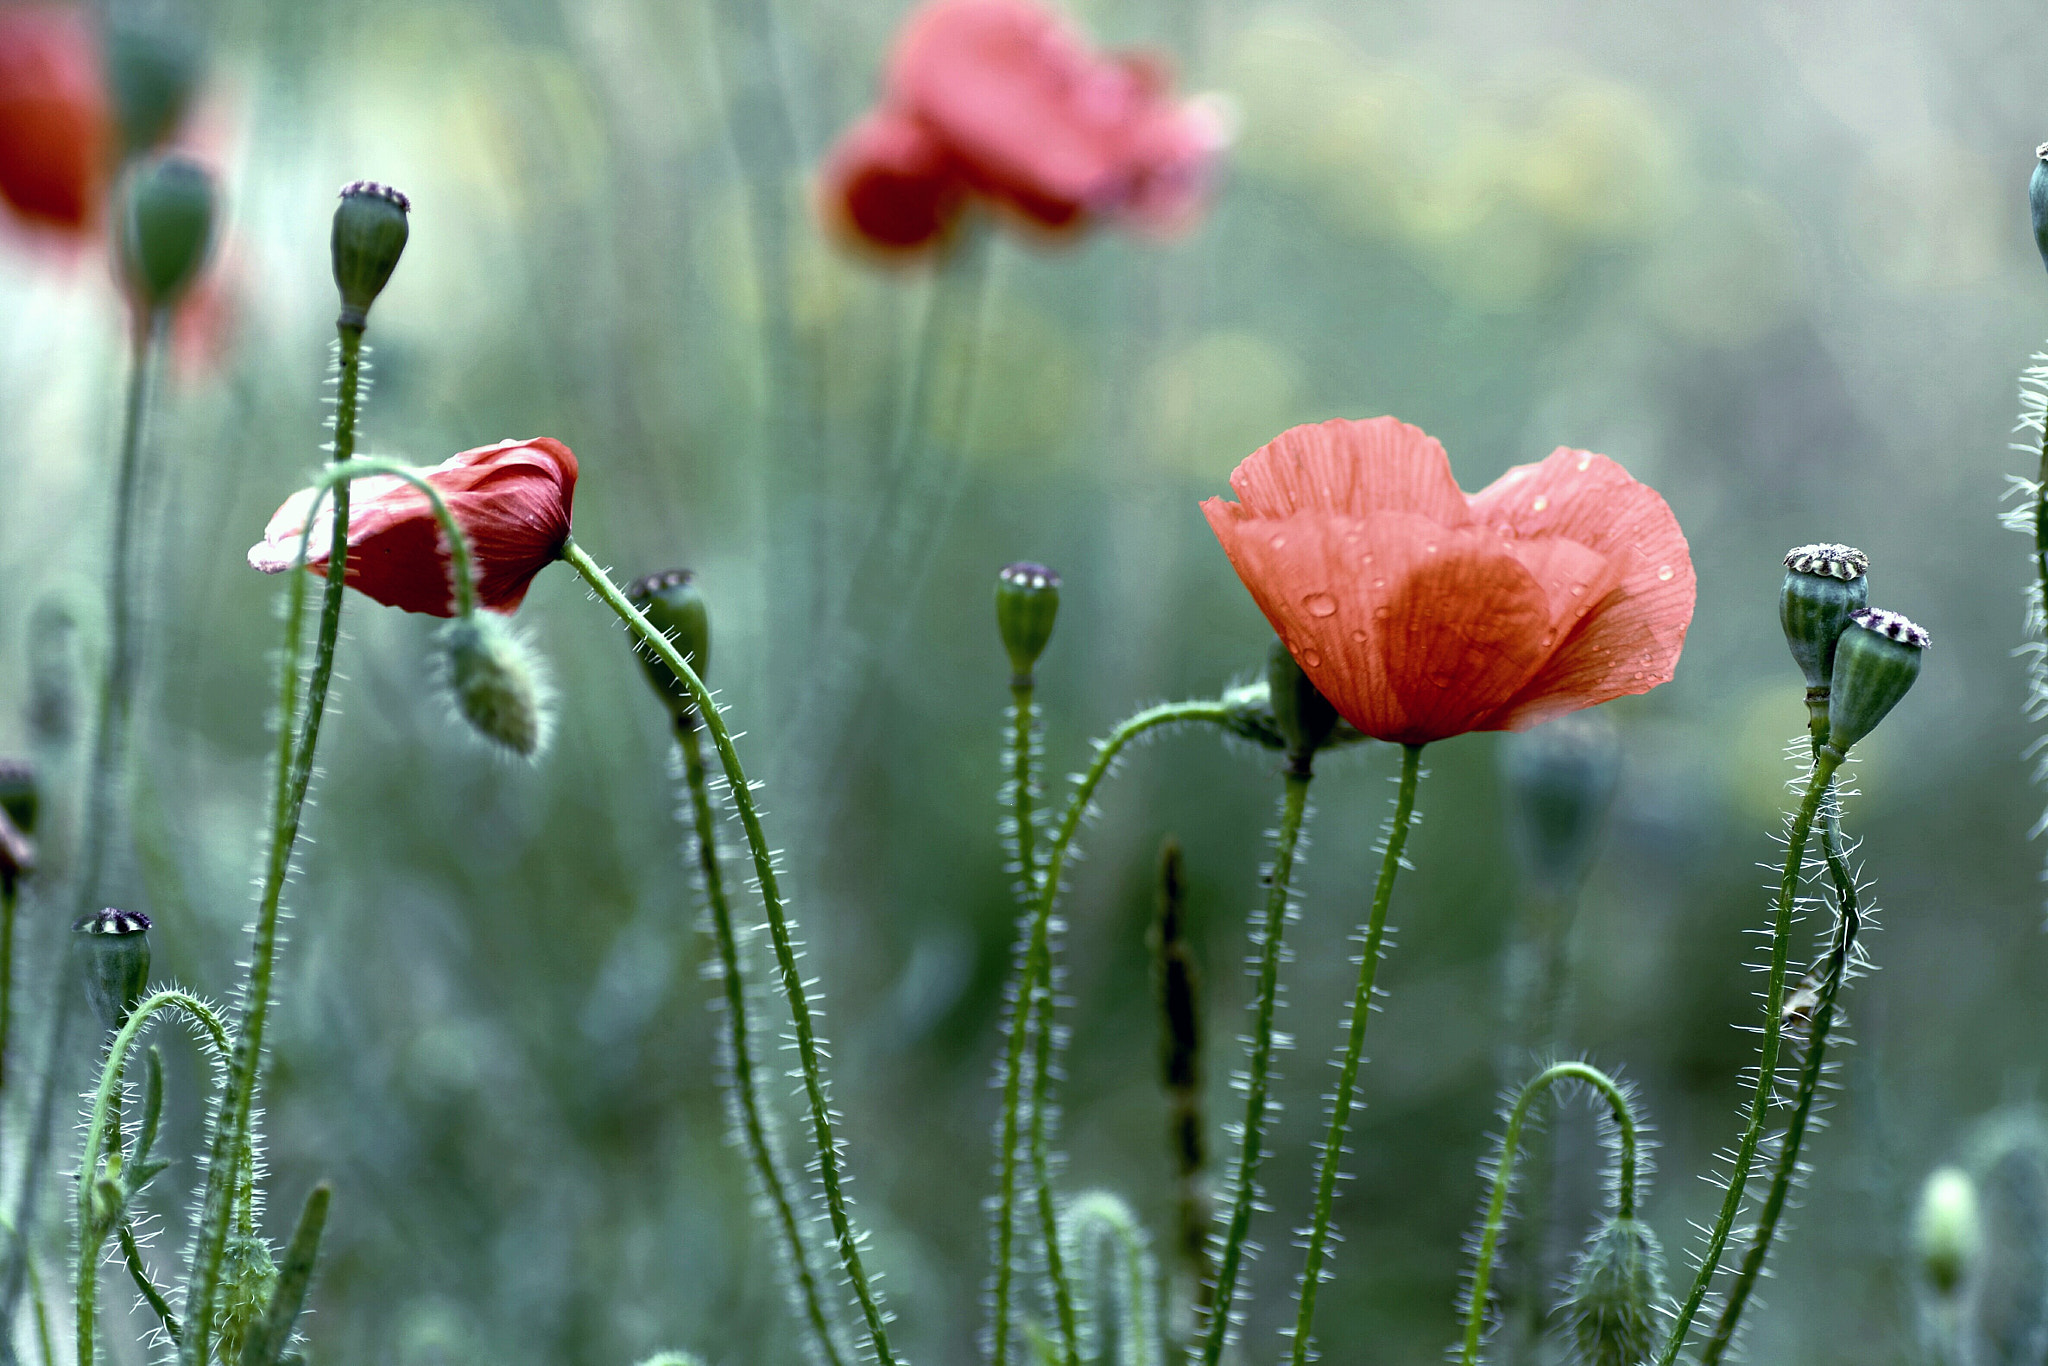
(1429, 547)
(1382, 613)
(1358, 637)
(1584, 460)
(1665, 573)
(1379, 583)
(1320, 605)
(1542, 502)
(1279, 541)
(1311, 659)
(1578, 590)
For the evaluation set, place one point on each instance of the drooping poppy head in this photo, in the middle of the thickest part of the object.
(1005, 99)
(512, 501)
(1423, 612)
(56, 127)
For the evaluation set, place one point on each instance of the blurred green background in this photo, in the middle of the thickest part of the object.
(1772, 258)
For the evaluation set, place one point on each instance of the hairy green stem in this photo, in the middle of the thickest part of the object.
(746, 1085)
(1849, 919)
(10, 901)
(1034, 963)
(1826, 761)
(1504, 1176)
(1272, 923)
(138, 1271)
(231, 1118)
(793, 987)
(1354, 1052)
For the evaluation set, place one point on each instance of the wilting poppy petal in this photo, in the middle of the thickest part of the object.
(512, 501)
(889, 183)
(1422, 613)
(55, 124)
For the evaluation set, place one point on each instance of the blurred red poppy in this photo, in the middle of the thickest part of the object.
(1423, 612)
(56, 126)
(1002, 100)
(512, 501)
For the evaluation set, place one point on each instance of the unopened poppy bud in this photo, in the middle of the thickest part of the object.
(1303, 716)
(113, 949)
(1560, 780)
(1875, 664)
(671, 603)
(152, 69)
(1948, 1231)
(18, 793)
(166, 228)
(497, 681)
(248, 1280)
(1027, 602)
(1616, 1290)
(2037, 199)
(370, 228)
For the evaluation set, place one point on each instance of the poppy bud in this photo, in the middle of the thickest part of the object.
(1948, 1232)
(370, 229)
(1875, 663)
(2037, 198)
(166, 228)
(1560, 780)
(18, 793)
(1302, 715)
(152, 70)
(671, 602)
(1027, 601)
(248, 1279)
(1615, 1292)
(497, 681)
(113, 947)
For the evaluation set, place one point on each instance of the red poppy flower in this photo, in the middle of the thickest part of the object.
(1001, 98)
(1423, 612)
(56, 129)
(511, 500)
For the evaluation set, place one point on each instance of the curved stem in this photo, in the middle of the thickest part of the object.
(1504, 1177)
(461, 577)
(231, 1118)
(1354, 1052)
(778, 927)
(1849, 920)
(1272, 923)
(1826, 761)
(1034, 963)
(138, 1271)
(746, 1086)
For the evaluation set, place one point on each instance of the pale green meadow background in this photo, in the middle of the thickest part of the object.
(1772, 258)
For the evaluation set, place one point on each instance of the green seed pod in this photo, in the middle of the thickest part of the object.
(19, 796)
(1027, 602)
(166, 228)
(113, 952)
(1823, 584)
(671, 603)
(248, 1278)
(152, 70)
(1616, 1290)
(370, 228)
(1302, 715)
(1875, 664)
(1560, 780)
(1948, 1231)
(497, 681)
(2037, 199)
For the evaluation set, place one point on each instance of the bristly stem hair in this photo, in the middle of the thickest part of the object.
(808, 1050)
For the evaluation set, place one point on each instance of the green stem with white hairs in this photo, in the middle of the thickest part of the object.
(1251, 1142)
(1354, 1052)
(1034, 967)
(1504, 1178)
(827, 1145)
(1825, 762)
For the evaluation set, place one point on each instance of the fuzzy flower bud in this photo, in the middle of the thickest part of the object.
(1027, 601)
(113, 949)
(166, 228)
(1823, 584)
(1616, 1289)
(1948, 1232)
(497, 681)
(370, 228)
(248, 1279)
(1876, 662)
(1560, 780)
(671, 602)
(2037, 199)
(1302, 715)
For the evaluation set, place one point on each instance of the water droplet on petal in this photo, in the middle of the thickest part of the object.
(1381, 613)
(1578, 590)
(1665, 573)
(1541, 502)
(1379, 583)
(1584, 460)
(1358, 637)
(1429, 547)
(1311, 660)
(1320, 605)
(1279, 541)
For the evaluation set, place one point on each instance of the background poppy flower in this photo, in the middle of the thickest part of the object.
(56, 126)
(1423, 612)
(1004, 99)
(512, 500)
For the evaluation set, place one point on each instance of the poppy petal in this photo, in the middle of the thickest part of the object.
(1352, 467)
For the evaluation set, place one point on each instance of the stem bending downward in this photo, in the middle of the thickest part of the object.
(827, 1144)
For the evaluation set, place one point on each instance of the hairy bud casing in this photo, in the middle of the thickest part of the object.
(1027, 604)
(1615, 1294)
(496, 681)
